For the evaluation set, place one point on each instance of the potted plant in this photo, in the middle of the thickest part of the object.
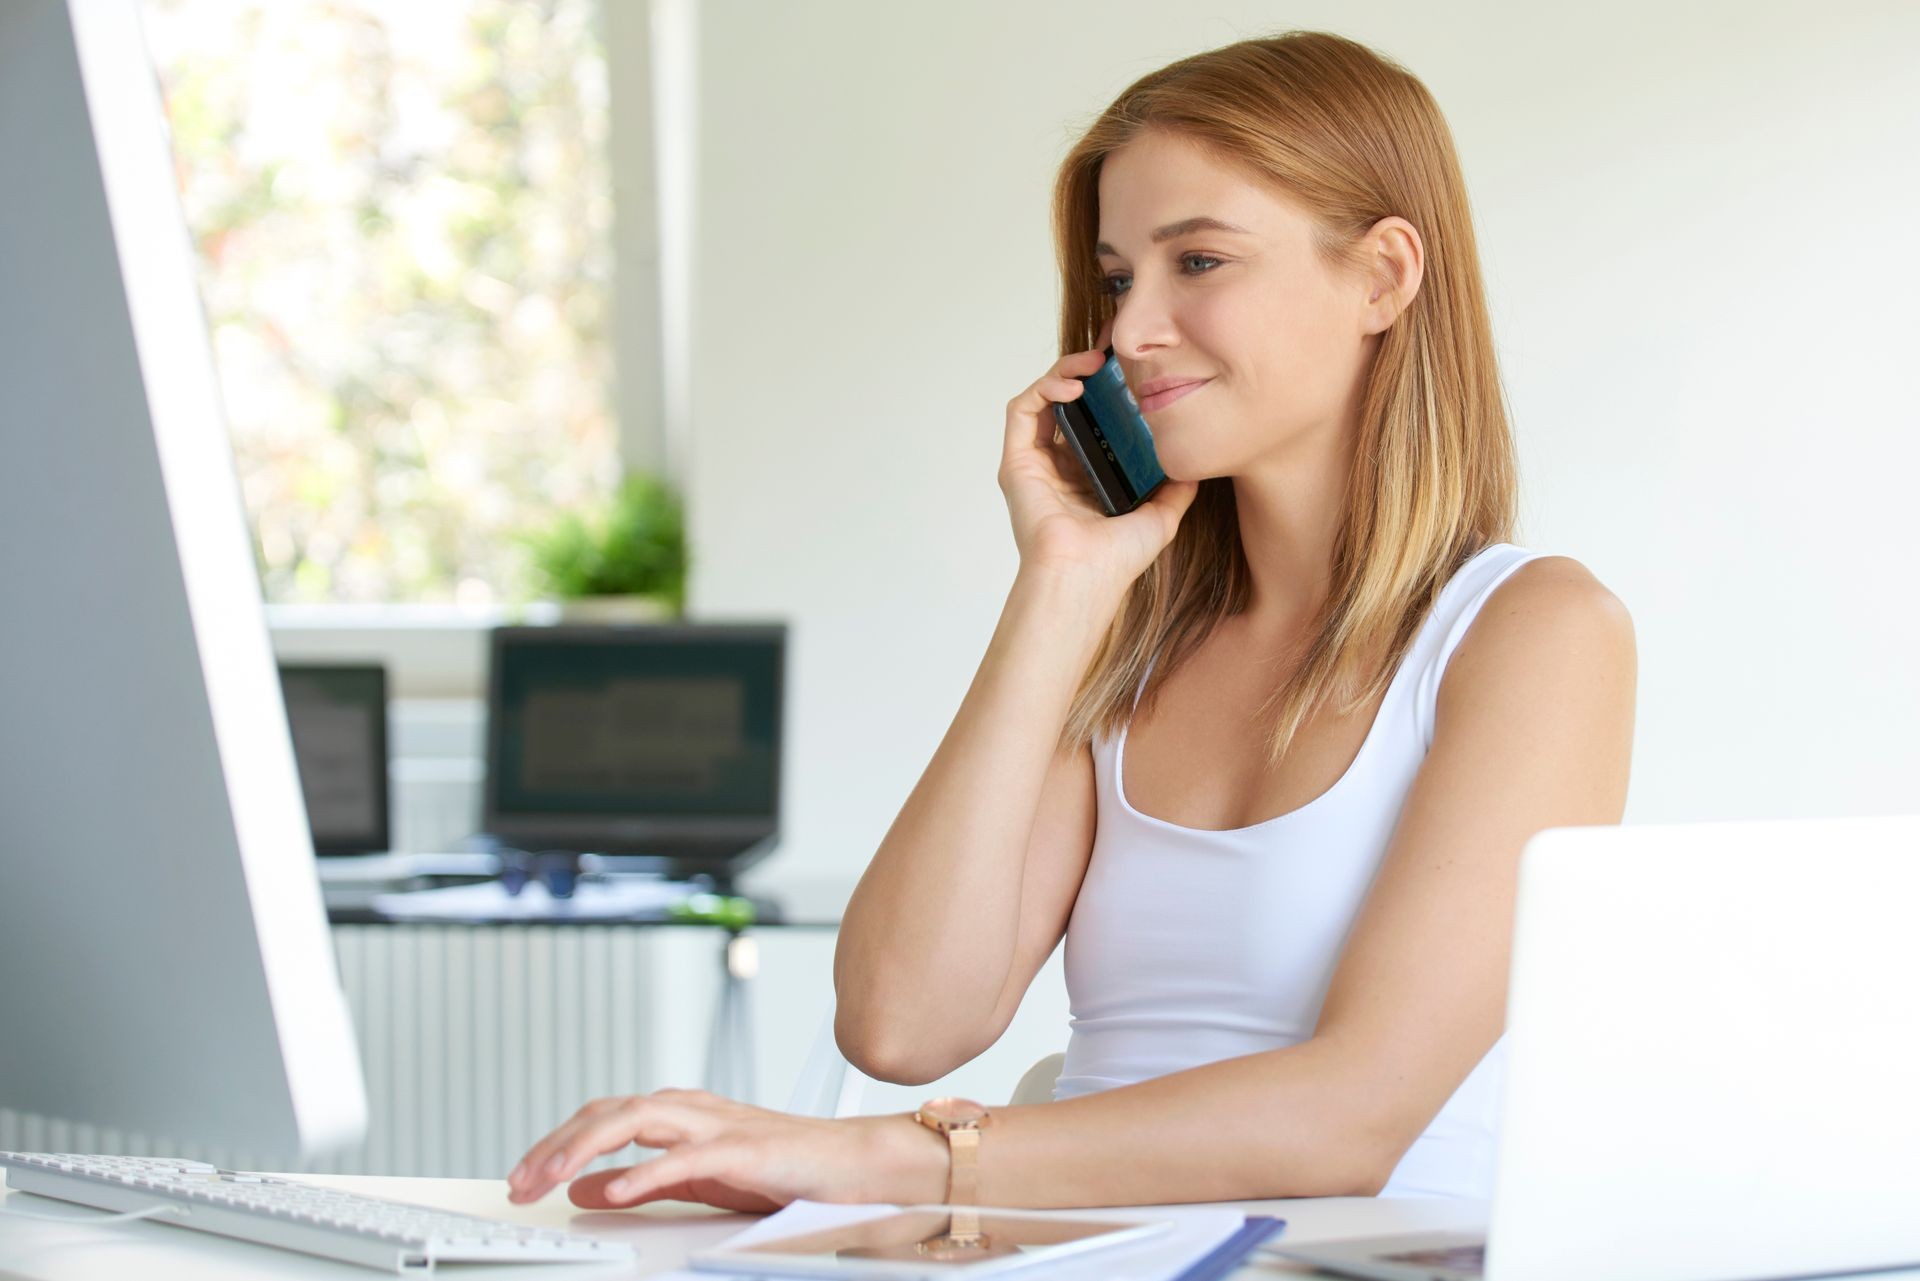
(624, 562)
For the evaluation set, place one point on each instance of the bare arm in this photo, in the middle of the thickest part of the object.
(970, 891)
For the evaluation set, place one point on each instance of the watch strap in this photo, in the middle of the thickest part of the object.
(963, 1171)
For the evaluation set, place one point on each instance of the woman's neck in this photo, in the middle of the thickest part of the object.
(1290, 509)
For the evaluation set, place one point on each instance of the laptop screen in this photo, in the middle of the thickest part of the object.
(607, 738)
(337, 715)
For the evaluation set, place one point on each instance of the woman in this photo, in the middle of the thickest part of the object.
(1263, 751)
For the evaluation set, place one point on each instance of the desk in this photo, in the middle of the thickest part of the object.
(662, 1234)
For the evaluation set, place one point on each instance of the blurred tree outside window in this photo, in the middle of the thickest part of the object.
(402, 213)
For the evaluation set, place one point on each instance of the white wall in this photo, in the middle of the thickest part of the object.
(1695, 221)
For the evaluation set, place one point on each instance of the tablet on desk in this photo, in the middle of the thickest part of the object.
(926, 1242)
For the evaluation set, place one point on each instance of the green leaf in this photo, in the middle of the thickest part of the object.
(635, 545)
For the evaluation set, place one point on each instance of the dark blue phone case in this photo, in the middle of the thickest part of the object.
(1112, 439)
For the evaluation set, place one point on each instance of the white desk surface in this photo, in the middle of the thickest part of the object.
(661, 1234)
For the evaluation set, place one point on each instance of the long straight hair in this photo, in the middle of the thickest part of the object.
(1353, 138)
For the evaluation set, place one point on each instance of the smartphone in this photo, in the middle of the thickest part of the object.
(1112, 439)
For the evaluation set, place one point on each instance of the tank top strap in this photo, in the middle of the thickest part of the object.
(1141, 688)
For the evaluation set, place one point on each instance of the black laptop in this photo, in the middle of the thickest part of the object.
(337, 714)
(656, 744)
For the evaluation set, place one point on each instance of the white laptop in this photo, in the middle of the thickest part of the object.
(1713, 1061)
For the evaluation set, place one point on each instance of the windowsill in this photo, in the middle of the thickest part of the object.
(407, 616)
(429, 650)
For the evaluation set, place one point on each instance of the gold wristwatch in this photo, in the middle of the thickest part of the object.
(961, 1121)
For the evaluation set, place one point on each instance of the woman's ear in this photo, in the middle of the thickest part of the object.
(1396, 260)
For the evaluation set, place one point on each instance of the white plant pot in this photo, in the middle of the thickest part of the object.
(616, 609)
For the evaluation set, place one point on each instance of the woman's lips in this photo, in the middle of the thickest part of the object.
(1161, 399)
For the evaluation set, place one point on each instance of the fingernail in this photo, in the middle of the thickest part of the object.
(617, 1188)
(519, 1173)
(556, 1165)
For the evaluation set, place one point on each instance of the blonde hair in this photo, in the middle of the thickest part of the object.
(1351, 137)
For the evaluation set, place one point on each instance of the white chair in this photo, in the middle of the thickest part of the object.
(831, 1086)
(828, 1084)
(1036, 1086)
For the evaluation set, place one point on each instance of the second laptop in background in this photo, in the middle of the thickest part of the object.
(337, 715)
(659, 742)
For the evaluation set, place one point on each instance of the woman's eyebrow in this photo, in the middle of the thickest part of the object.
(1180, 228)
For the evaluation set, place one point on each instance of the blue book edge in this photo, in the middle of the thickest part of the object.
(1232, 1252)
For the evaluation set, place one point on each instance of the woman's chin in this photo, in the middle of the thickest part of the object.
(1181, 461)
(1178, 466)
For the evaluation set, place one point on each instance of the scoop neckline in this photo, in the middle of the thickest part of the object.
(1366, 744)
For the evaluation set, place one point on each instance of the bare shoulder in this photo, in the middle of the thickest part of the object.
(1550, 592)
(1550, 627)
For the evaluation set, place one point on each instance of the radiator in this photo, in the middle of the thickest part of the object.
(476, 1041)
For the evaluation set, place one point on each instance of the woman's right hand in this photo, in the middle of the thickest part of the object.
(1058, 523)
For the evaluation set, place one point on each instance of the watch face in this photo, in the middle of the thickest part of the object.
(953, 1112)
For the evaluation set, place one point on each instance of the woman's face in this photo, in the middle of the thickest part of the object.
(1280, 339)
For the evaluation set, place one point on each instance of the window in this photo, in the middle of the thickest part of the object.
(403, 221)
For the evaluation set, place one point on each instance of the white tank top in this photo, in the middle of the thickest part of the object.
(1188, 946)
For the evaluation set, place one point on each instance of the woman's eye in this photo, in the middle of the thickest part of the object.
(1116, 284)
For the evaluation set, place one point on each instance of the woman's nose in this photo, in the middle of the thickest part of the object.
(1143, 323)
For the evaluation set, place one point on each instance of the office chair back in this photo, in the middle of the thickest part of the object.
(830, 1086)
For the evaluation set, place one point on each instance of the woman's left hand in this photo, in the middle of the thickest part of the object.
(733, 1155)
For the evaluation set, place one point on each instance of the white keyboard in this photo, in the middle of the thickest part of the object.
(295, 1216)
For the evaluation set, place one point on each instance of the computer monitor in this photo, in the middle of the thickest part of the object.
(165, 963)
(655, 741)
(338, 715)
